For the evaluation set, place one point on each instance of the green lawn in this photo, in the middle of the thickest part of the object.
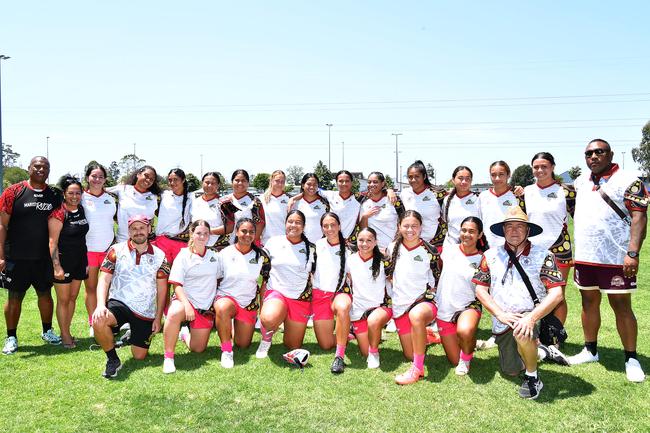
(46, 388)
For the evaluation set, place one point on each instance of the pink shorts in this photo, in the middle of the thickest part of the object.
(449, 328)
(298, 311)
(201, 321)
(170, 247)
(242, 314)
(361, 326)
(95, 259)
(321, 304)
(403, 322)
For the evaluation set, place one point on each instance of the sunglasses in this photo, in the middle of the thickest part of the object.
(598, 152)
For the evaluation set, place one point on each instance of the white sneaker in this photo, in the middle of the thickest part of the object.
(91, 332)
(258, 324)
(373, 360)
(390, 326)
(263, 349)
(633, 371)
(51, 337)
(228, 359)
(184, 333)
(126, 326)
(583, 357)
(11, 345)
(168, 366)
(462, 368)
(490, 343)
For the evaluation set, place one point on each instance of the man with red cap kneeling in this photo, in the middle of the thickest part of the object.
(501, 286)
(132, 289)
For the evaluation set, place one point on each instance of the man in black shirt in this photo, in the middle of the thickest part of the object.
(24, 254)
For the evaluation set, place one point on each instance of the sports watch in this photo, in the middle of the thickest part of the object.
(633, 254)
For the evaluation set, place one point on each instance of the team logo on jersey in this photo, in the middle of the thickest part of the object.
(212, 259)
(418, 258)
(149, 198)
(283, 201)
(383, 206)
(426, 198)
(507, 203)
(552, 195)
(317, 207)
(470, 201)
(617, 282)
(253, 261)
(473, 265)
(212, 206)
(525, 260)
(107, 202)
(338, 253)
(302, 250)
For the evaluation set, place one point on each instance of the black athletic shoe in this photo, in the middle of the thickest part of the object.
(530, 388)
(338, 365)
(112, 367)
(553, 354)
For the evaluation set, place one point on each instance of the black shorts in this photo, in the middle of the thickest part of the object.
(141, 333)
(21, 274)
(75, 266)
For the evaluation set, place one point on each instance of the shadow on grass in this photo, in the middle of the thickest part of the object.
(612, 358)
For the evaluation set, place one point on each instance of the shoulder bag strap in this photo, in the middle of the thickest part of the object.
(614, 207)
(524, 276)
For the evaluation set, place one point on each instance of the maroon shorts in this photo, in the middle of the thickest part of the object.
(607, 279)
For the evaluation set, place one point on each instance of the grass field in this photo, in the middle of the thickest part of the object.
(51, 389)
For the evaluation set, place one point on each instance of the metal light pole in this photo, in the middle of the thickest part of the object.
(47, 147)
(397, 188)
(201, 172)
(624, 160)
(134, 157)
(2, 174)
(343, 155)
(329, 146)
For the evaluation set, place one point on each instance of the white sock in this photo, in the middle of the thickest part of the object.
(531, 373)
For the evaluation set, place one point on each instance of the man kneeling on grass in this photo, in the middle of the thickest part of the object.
(136, 273)
(502, 289)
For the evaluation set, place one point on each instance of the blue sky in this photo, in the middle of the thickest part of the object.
(252, 84)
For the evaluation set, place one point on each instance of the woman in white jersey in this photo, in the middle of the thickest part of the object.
(238, 293)
(370, 310)
(173, 215)
(288, 292)
(458, 310)
(137, 196)
(424, 198)
(459, 204)
(330, 295)
(378, 212)
(414, 269)
(276, 204)
(206, 206)
(497, 199)
(312, 204)
(194, 277)
(99, 207)
(548, 203)
(240, 204)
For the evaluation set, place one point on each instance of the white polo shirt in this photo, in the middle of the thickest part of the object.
(290, 268)
(384, 222)
(240, 274)
(197, 275)
(455, 289)
(275, 214)
(367, 292)
(427, 205)
(132, 202)
(459, 209)
(170, 211)
(99, 211)
(493, 209)
(328, 267)
(209, 211)
(313, 211)
(347, 209)
(546, 207)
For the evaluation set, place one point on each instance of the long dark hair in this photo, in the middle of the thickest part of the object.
(481, 243)
(258, 251)
(548, 157)
(419, 166)
(192, 227)
(66, 180)
(341, 245)
(242, 172)
(377, 256)
(304, 180)
(95, 166)
(180, 173)
(133, 178)
(303, 237)
(398, 236)
(453, 191)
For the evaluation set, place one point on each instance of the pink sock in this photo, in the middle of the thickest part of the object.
(226, 346)
(340, 350)
(266, 335)
(466, 357)
(418, 361)
(373, 349)
(169, 355)
(90, 320)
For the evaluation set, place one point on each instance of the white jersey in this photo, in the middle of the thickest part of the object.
(197, 275)
(455, 290)
(275, 214)
(546, 207)
(426, 204)
(132, 202)
(240, 274)
(347, 209)
(290, 268)
(209, 211)
(238, 208)
(412, 276)
(459, 209)
(384, 222)
(493, 209)
(313, 212)
(169, 214)
(367, 293)
(99, 211)
(328, 267)
(601, 236)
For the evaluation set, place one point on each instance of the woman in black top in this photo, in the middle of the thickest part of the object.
(67, 228)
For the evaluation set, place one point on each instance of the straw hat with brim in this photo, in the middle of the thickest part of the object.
(515, 214)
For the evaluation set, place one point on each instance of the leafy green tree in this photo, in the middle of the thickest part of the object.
(129, 163)
(641, 154)
(389, 182)
(193, 183)
(9, 157)
(113, 172)
(324, 175)
(261, 181)
(294, 174)
(431, 172)
(356, 185)
(574, 172)
(14, 175)
(522, 176)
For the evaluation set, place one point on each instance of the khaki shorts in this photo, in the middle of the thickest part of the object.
(510, 361)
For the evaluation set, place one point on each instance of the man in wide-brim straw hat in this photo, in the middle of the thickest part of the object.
(501, 289)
